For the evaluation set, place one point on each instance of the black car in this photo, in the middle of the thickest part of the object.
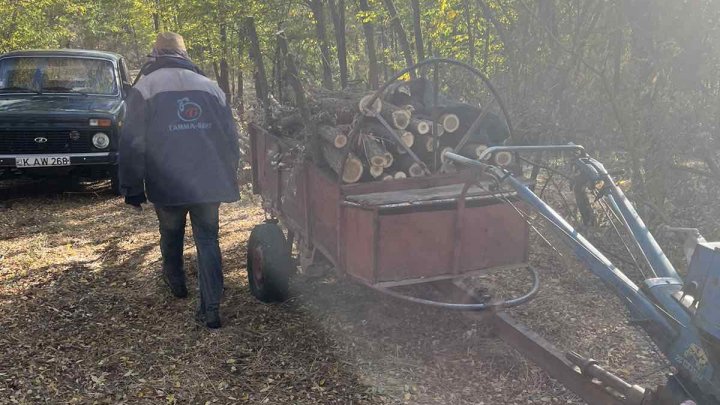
(60, 113)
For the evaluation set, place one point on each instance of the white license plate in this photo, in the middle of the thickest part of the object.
(41, 161)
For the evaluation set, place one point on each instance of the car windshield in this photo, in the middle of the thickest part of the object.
(57, 75)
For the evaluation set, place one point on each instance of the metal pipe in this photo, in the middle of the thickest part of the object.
(539, 148)
(471, 307)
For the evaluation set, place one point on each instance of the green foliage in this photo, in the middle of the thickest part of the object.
(637, 73)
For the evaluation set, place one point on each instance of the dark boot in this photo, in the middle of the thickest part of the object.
(177, 287)
(210, 318)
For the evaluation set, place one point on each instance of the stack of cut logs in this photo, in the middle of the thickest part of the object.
(395, 136)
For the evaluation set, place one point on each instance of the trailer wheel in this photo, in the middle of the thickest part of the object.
(268, 263)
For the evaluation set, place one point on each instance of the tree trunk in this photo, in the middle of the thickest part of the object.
(224, 78)
(471, 31)
(395, 116)
(383, 59)
(420, 126)
(316, 6)
(397, 24)
(375, 152)
(240, 88)
(156, 17)
(379, 131)
(450, 122)
(351, 168)
(294, 80)
(486, 54)
(333, 135)
(369, 30)
(375, 171)
(499, 27)
(417, 28)
(337, 11)
(408, 165)
(276, 75)
(261, 85)
(216, 71)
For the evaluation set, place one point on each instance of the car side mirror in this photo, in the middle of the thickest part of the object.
(126, 88)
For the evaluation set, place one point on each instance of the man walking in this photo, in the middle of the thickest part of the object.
(179, 143)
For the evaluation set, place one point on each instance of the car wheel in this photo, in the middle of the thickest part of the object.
(268, 263)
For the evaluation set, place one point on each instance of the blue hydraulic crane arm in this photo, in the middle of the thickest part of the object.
(655, 307)
(620, 204)
(640, 306)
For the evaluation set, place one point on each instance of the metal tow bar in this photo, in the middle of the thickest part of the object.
(584, 377)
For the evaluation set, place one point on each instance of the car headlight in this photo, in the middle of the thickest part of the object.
(101, 140)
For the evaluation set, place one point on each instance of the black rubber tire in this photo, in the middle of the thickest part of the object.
(268, 263)
(114, 181)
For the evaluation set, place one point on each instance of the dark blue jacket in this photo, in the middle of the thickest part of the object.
(179, 141)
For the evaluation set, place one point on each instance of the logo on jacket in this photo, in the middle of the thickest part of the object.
(188, 111)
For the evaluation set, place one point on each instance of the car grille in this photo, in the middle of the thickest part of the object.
(57, 142)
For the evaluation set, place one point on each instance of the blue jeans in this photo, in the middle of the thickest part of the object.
(205, 225)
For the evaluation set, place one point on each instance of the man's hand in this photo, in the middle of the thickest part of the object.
(136, 201)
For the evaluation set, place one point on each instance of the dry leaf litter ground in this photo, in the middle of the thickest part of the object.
(84, 318)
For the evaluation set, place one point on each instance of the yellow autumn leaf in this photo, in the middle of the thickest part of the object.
(624, 184)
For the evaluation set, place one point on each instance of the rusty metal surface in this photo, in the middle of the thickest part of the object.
(449, 241)
(358, 243)
(457, 234)
(546, 356)
(416, 244)
(493, 235)
(324, 201)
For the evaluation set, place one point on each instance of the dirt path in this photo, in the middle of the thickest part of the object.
(85, 319)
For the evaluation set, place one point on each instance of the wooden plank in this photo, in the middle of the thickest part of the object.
(416, 195)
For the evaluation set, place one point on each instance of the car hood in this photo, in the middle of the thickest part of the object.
(59, 105)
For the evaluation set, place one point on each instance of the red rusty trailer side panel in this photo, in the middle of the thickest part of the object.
(415, 245)
(490, 236)
(493, 235)
(359, 243)
(324, 202)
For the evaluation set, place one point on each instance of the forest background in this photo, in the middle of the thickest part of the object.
(635, 81)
